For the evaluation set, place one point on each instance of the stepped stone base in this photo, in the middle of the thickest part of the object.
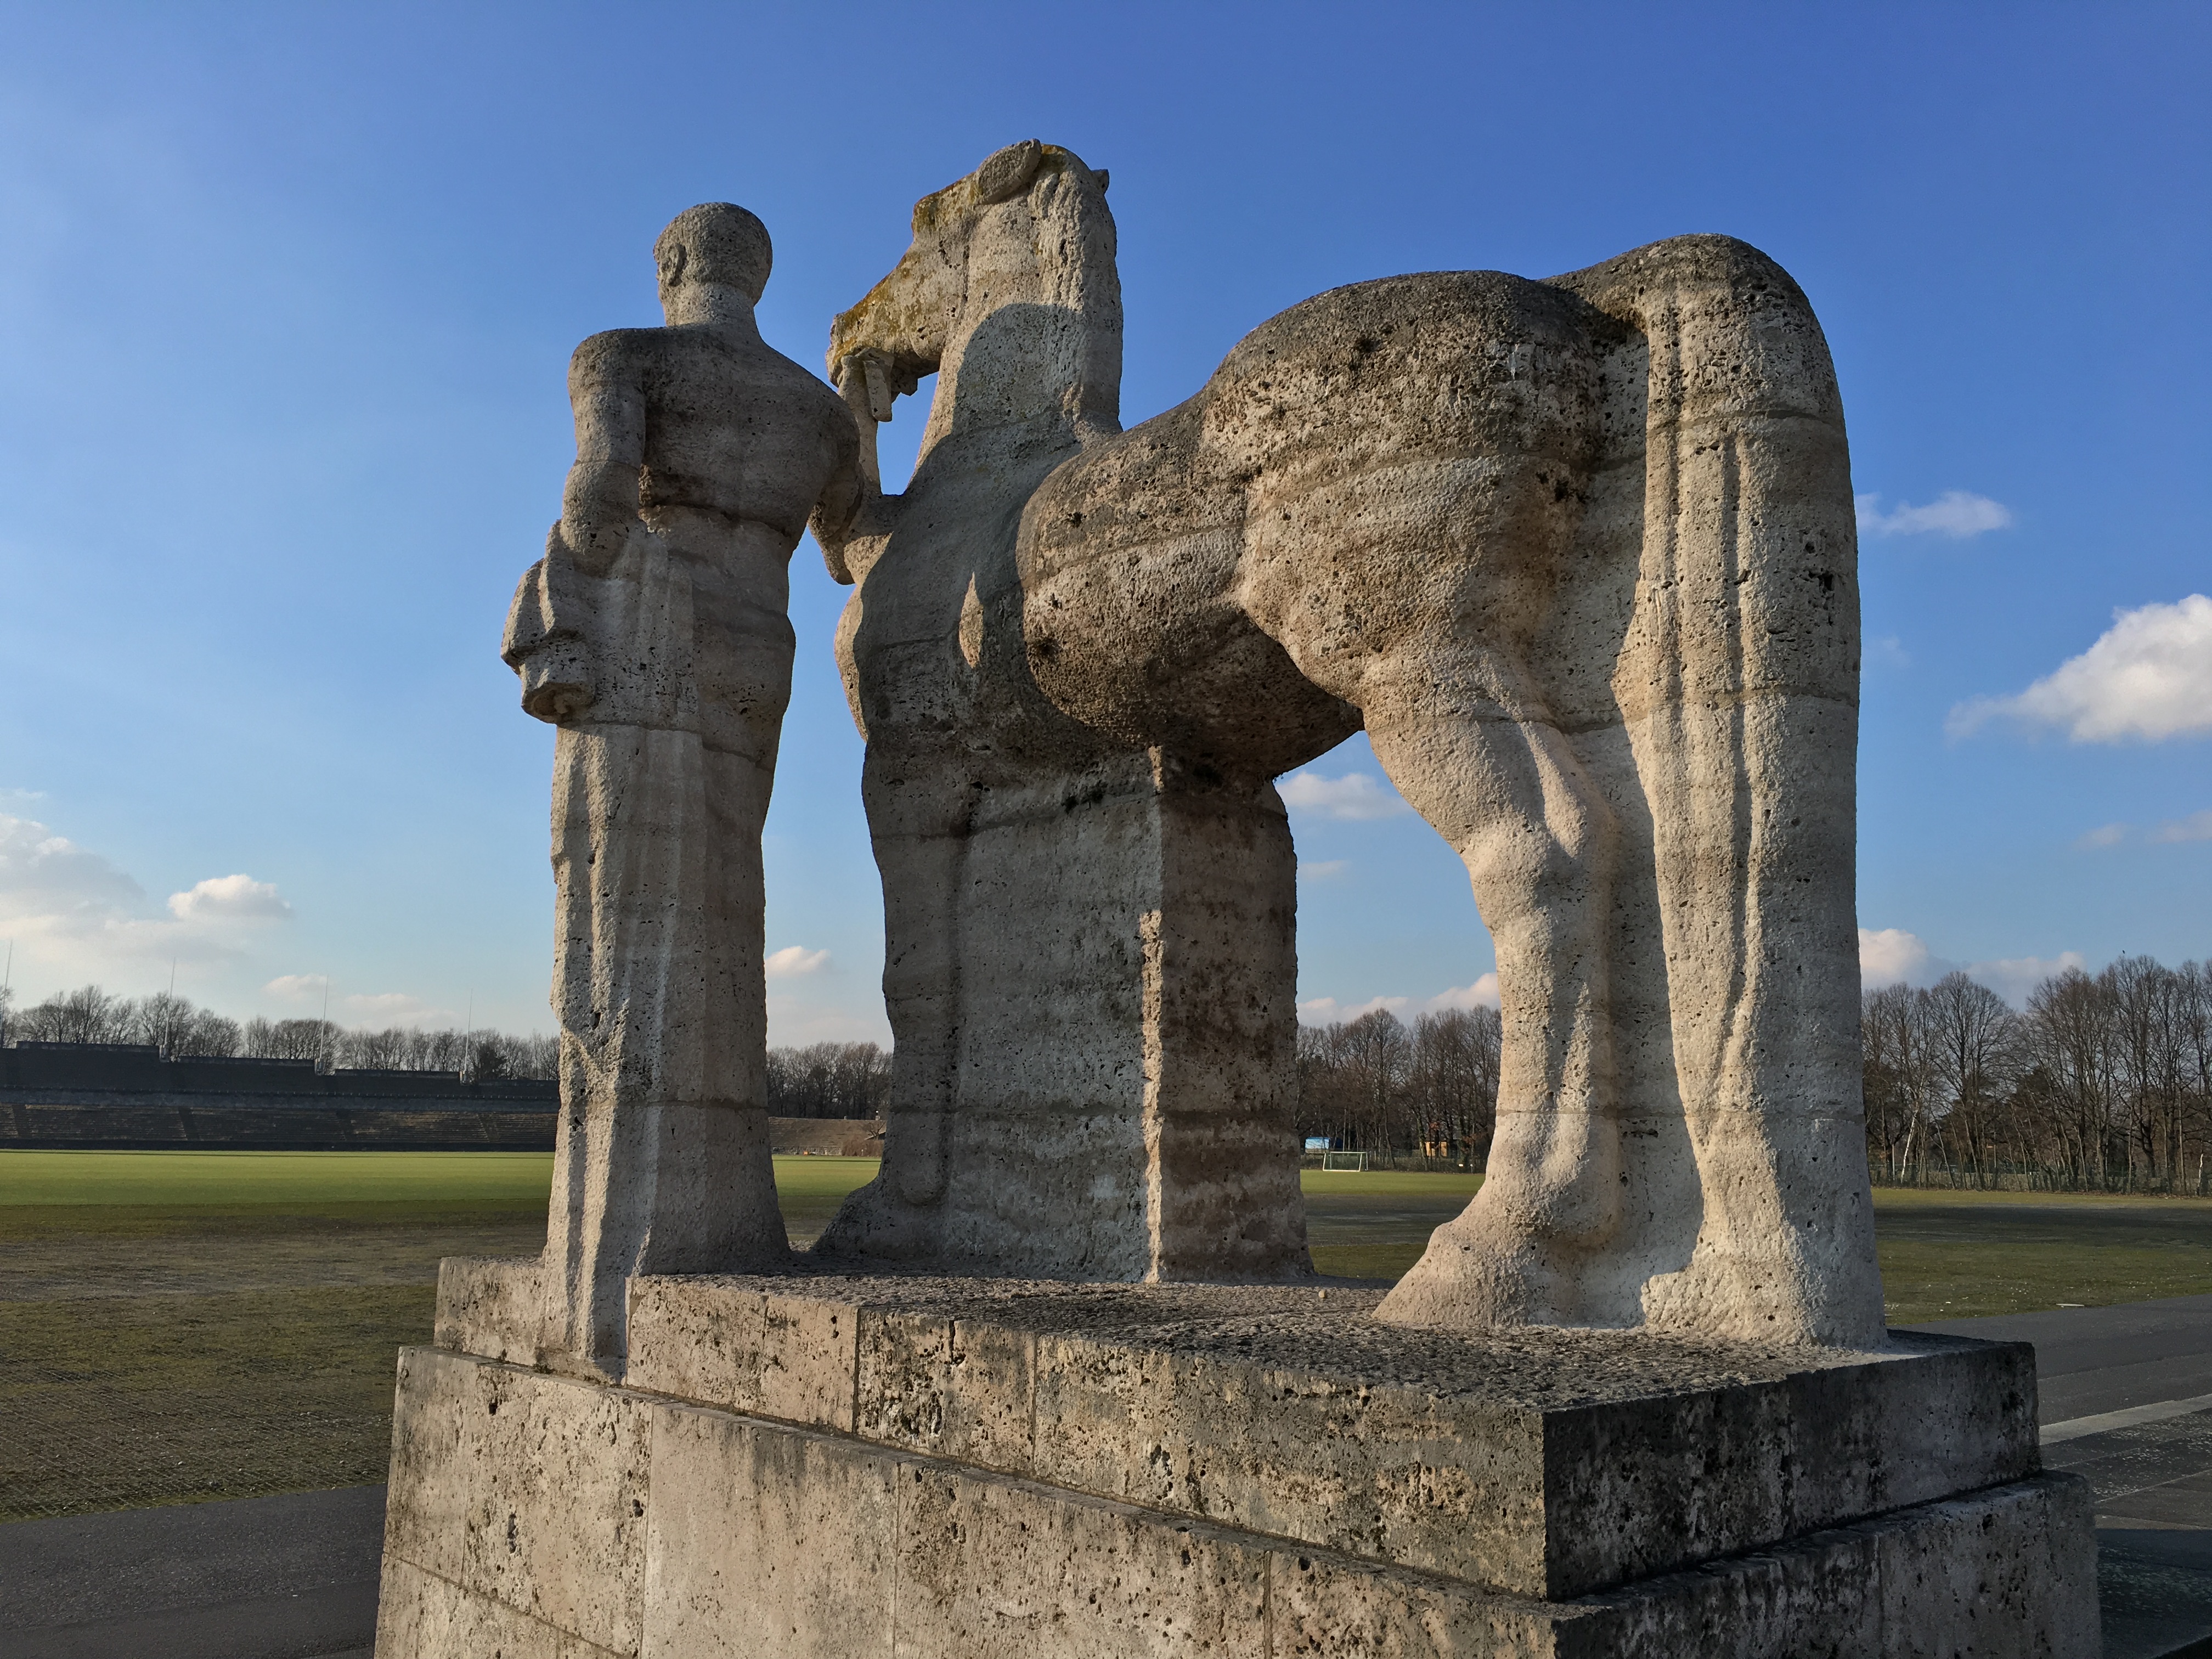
(829, 1465)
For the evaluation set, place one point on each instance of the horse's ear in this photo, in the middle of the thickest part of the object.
(1007, 173)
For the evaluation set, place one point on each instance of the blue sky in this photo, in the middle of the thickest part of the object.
(287, 294)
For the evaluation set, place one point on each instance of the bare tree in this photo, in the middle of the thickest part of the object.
(829, 1079)
(1973, 1049)
(1451, 1084)
(87, 1014)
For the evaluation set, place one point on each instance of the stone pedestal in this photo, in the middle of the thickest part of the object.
(812, 1464)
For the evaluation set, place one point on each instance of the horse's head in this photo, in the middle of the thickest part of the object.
(976, 250)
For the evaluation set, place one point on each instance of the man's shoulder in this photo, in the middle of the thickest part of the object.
(763, 367)
(616, 350)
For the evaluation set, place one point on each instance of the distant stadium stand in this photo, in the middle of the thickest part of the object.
(128, 1095)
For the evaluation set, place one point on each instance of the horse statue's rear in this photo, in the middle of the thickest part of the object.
(1578, 553)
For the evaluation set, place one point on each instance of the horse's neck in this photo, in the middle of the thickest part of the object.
(1035, 358)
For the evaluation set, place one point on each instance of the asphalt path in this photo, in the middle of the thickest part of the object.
(2091, 1362)
(291, 1578)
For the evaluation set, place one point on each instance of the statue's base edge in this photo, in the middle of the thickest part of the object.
(536, 1514)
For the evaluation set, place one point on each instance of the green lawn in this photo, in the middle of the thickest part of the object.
(1956, 1255)
(317, 1184)
(177, 1326)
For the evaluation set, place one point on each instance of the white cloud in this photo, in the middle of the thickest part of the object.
(1354, 797)
(2013, 977)
(1326, 870)
(794, 960)
(309, 993)
(229, 898)
(46, 879)
(1890, 954)
(1959, 514)
(1482, 993)
(2197, 826)
(1885, 651)
(2105, 835)
(2148, 676)
(1327, 1011)
(75, 914)
(792, 1024)
(383, 1008)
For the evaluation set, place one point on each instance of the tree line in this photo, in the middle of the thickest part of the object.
(2103, 1082)
(182, 1031)
(829, 1079)
(1425, 1094)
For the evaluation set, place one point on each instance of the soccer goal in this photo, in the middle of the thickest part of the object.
(1344, 1160)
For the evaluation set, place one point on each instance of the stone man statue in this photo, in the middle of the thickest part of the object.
(653, 635)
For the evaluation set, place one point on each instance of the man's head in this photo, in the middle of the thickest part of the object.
(715, 242)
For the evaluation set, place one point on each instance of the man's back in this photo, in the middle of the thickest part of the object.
(727, 423)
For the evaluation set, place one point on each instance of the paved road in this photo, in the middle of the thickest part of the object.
(2123, 1396)
(2125, 1392)
(2092, 1361)
(265, 1579)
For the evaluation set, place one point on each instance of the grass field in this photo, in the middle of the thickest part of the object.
(177, 1326)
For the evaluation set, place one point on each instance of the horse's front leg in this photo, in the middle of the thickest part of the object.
(1538, 841)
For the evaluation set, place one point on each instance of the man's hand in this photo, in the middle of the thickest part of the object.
(545, 640)
(549, 693)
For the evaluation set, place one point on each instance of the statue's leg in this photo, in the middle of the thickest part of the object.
(1538, 841)
(661, 1164)
(918, 811)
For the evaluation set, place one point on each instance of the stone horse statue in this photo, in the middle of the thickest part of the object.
(1089, 949)
(1578, 553)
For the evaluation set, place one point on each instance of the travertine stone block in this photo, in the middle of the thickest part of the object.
(993, 1568)
(525, 1488)
(772, 1539)
(1549, 1463)
(761, 1347)
(764, 1542)
(492, 1306)
(957, 1388)
(2010, 1574)
(420, 1616)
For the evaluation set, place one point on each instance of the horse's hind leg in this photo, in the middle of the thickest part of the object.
(1538, 841)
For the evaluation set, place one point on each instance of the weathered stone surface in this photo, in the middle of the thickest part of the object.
(769, 1538)
(762, 1542)
(766, 1347)
(496, 1307)
(525, 1489)
(1000, 1569)
(653, 635)
(1549, 1463)
(419, 1614)
(1089, 948)
(1581, 554)
(1578, 553)
(2012, 1571)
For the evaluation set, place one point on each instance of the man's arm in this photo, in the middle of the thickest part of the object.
(600, 505)
(842, 497)
(854, 517)
(550, 624)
